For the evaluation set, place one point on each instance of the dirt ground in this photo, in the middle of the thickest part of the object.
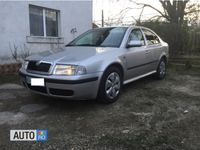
(150, 115)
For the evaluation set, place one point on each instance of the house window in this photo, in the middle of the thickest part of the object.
(43, 21)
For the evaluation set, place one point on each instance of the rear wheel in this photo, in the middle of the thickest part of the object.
(110, 86)
(161, 70)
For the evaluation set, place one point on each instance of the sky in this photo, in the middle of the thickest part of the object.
(112, 9)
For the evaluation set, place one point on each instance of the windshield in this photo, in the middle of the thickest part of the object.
(102, 37)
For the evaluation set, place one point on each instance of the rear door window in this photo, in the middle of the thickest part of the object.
(151, 37)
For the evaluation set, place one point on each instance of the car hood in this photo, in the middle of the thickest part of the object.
(69, 55)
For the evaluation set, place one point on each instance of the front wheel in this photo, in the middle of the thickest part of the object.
(161, 70)
(110, 86)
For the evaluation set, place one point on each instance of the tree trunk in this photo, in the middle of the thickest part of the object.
(175, 10)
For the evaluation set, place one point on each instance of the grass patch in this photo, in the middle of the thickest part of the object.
(9, 78)
(144, 140)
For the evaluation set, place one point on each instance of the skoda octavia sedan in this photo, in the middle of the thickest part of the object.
(96, 64)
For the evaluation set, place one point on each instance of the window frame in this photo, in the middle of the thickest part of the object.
(44, 21)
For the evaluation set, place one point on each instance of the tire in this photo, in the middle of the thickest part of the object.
(161, 70)
(110, 85)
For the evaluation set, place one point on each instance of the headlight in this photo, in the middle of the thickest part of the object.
(69, 70)
(24, 65)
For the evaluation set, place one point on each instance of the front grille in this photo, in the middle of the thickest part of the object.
(61, 92)
(37, 88)
(41, 67)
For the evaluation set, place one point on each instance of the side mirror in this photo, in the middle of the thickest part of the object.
(134, 43)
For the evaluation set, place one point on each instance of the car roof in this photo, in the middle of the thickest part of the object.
(124, 27)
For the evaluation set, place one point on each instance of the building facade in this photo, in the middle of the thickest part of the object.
(28, 27)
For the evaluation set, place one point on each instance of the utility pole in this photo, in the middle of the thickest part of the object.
(102, 18)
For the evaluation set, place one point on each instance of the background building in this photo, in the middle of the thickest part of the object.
(35, 26)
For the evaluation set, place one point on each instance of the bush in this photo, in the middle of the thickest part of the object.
(19, 53)
(176, 35)
(9, 68)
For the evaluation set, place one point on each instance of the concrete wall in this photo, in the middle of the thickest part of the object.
(15, 29)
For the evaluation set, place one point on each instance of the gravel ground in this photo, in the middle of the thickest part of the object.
(150, 115)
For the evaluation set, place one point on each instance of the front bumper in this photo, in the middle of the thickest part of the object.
(70, 87)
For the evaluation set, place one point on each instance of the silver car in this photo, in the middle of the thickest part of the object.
(97, 64)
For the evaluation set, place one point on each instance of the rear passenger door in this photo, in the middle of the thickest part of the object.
(153, 49)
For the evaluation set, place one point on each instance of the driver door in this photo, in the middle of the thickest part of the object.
(137, 57)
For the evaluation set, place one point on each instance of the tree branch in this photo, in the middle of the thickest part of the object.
(139, 19)
(147, 5)
(157, 17)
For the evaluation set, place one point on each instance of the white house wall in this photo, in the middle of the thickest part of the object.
(15, 29)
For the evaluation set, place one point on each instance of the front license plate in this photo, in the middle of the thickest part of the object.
(35, 81)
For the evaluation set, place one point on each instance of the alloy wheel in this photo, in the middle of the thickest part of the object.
(162, 68)
(112, 86)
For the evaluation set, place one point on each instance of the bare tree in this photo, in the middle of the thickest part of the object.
(19, 53)
(174, 11)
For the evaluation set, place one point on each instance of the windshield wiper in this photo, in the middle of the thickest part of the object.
(69, 45)
(80, 45)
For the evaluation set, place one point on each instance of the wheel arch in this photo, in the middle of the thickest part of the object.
(163, 56)
(114, 64)
(118, 65)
